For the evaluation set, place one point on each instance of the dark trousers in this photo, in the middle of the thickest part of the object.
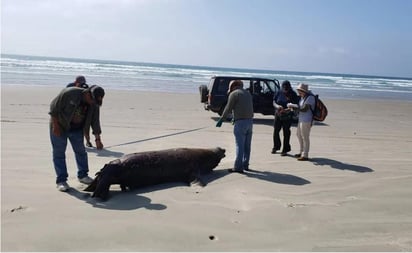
(285, 126)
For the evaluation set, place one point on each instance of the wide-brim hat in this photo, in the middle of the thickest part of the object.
(303, 87)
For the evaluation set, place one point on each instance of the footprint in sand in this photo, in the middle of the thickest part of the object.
(20, 208)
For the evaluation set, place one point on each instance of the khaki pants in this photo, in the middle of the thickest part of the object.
(303, 132)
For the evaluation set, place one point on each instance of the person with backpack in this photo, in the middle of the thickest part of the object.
(283, 117)
(306, 106)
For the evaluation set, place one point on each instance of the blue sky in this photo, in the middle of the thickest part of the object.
(369, 37)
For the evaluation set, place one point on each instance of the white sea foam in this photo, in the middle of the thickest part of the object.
(48, 71)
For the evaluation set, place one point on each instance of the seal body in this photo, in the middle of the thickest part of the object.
(155, 167)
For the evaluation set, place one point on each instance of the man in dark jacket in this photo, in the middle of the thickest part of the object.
(283, 117)
(69, 112)
(80, 82)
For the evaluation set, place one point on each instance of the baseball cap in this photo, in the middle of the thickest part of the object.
(82, 81)
(97, 93)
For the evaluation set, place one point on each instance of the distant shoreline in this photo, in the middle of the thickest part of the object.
(401, 97)
(182, 79)
(204, 66)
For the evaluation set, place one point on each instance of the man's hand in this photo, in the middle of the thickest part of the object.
(88, 143)
(56, 131)
(295, 106)
(99, 144)
(55, 127)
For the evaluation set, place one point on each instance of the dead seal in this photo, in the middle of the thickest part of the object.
(155, 167)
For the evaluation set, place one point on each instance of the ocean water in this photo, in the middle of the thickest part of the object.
(53, 71)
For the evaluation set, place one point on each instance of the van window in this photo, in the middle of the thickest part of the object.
(222, 85)
(212, 80)
(272, 86)
(246, 84)
(266, 88)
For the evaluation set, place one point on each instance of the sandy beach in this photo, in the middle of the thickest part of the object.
(354, 194)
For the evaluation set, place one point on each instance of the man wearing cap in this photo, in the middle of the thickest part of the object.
(305, 107)
(80, 82)
(69, 112)
(241, 103)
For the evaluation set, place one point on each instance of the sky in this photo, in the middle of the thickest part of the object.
(366, 37)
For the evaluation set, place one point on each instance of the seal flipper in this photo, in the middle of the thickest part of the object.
(91, 187)
(123, 187)
(196, 180)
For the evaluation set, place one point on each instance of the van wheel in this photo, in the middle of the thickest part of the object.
(203, 93)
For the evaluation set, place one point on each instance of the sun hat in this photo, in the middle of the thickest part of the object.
(97, 93)
(303, 87)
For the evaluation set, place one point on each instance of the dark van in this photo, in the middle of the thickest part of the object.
(215, 95)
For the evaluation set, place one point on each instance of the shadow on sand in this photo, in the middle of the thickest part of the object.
(104, 152)
(122, 201)
(278, 178)
(256, 121)
(270, 122)
(339, 165)
(131, 200)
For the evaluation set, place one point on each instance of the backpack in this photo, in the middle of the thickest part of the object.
(321, 111)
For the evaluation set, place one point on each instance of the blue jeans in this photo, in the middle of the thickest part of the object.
(243, 137)
(59, 144)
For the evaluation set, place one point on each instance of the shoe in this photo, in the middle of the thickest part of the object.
(297, 155)
(89, 144)
(233, 170)
(303, 158)
(285, 150)
(274, 150)
(63, 187)
(86, 180)
(284, 154)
